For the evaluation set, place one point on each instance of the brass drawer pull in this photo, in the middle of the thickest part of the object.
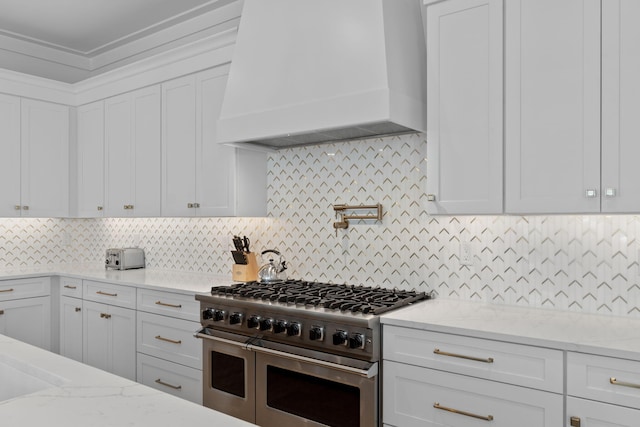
(169, 305)
(614, 381)
(175, 387)
(105, 316)
(6, 290)
(107, 294)
(461, 356)
(78, 309)
(1, 312)
(161, 338)
(70, 287)
(467, 414)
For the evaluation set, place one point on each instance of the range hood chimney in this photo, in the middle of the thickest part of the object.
(311, 71)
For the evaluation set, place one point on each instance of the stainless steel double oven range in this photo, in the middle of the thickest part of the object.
(295, 353)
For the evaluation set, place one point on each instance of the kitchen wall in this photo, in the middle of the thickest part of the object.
(583, 263)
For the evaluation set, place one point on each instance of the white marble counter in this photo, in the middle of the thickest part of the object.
(82, 396)
(176, 281)
(587, 333)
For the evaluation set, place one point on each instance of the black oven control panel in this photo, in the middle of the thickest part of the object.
(329, 333)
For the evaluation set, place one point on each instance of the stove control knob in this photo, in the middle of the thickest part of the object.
(294, 329)
(235, 318)
(316, 333)
(253, 322)
(218, 315)
(340, 338)
(207, 313)
(280, 326)
(356, 341)
(266, 324)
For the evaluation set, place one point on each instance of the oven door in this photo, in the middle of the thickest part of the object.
(293, 392)
(228, 377)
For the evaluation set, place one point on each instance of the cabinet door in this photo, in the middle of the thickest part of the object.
(597, 414)
(552, 111)
(71, 328)
(146, 152)
(620, 106)
(45, 159)
(27, 320)
(90, 179)
(417, 397)
(119, 158)
(215, 163)
(10, 159)
(109, 338)
(464, 114)
(179, 146)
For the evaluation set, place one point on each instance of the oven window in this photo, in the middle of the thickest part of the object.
(227, 373)
(317, 399)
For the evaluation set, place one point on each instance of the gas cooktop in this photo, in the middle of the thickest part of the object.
(345, 298)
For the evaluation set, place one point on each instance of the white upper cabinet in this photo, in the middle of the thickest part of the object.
(10, 159)
(464, 115)
(199, 176)
(90, 166)
(552, 111)
(44, 159)
(620, 106)
(132, 154)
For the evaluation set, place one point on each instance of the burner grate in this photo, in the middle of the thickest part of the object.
(355, 299)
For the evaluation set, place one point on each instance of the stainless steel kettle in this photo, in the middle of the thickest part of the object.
(272, 272)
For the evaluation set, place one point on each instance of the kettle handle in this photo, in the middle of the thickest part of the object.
(272, 251)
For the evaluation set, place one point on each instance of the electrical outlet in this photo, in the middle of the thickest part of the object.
(136, 240)
(466, 254)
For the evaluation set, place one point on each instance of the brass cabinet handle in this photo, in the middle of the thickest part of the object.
(1, 312)
(100, 208)
(107, 294)
(175, 387)
(169, 305)
(128, 206)
(78, 309)
(6, 290)
(105, 316)
(461, 356)
(70, 287)
(25, 208)
(17, 207)
(574, 422)
(161, 338)
(467, 414)
(614, 381)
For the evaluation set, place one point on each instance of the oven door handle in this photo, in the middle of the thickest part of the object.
(367, 373)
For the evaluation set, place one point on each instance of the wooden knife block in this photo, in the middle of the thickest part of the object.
(246, 272)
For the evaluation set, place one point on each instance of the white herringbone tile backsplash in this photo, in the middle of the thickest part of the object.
(582, 263)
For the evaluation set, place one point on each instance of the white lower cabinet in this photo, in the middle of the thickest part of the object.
(415, 396)
(173, 378)
(25, 310)
(602, 391)
(169, 356)
(71, 327)
(109, 338)
(436, 379)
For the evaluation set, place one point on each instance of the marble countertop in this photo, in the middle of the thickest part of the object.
(176, 281)
(78, 395)
(588, 333)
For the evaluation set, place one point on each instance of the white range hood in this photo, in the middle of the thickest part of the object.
(312, 71)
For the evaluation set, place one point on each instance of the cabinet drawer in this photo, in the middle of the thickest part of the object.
(109, 293)
(71, 287)
(169, 377)
(517, 364)
(606, 379)
(169, 304)
(169, 338)
(411, 394)
(25, 288)
(597, 414)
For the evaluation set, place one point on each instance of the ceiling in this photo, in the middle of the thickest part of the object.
(70, 40)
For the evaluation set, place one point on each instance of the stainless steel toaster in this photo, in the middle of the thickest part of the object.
(124, 258)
